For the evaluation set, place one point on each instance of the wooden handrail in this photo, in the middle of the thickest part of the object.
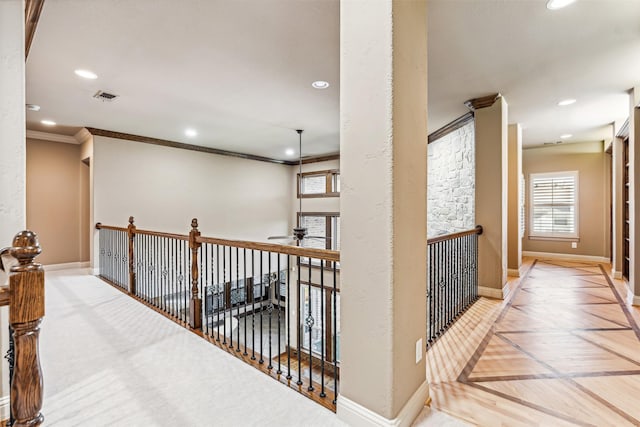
(323, 254)
(477, 230)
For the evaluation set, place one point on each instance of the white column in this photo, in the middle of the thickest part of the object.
(491, 193)
(515, 192)
(383, 147)
(12, 149)
(634, 196)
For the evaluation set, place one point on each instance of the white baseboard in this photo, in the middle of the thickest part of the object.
(66, 266)
(5, 403)
(631, 298)
(354, 414)
(485, 291)
(94, 271)
(567, 257)
(616, 274)
(513, 272)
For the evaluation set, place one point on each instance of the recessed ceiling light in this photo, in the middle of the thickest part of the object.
(566, 102)
(558, 4)
(320, 84)
(191, 133)
(86, 74)
(48, 122)
(566, 135)
(289, 152)
(33, 107)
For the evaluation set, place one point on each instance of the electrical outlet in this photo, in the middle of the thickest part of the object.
(419, 350)
(574, 245)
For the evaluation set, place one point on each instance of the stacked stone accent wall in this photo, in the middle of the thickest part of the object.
(451, 182)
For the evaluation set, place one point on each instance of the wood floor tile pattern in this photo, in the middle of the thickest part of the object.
(563, 350)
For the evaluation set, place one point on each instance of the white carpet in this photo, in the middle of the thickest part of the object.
(108, 360)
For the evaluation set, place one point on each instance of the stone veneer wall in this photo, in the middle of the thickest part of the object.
(451, 182)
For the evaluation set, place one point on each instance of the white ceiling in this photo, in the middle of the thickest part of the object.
(240, 71)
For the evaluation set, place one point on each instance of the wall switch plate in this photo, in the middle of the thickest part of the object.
(419, 350)
(574, 245)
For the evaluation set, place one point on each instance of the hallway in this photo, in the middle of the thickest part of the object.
(563, 350)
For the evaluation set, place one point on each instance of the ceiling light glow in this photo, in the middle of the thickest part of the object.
(566, 102)
(320, 84)
(558, 4)
(289, 152)
(191, 133)
(48, 122)
(86, 74)
(566, 135)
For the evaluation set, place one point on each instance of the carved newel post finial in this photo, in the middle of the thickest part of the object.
(131, 220)
(195, 304)
(26, 310)
(25, 249)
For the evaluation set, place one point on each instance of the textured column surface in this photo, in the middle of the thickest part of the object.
(383, 145)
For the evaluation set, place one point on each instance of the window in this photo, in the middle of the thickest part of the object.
(322, 224)
(319, 184)
(553, 205)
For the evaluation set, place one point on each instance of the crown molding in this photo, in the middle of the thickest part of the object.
(181, 145)
(53, 137)
(32, 11)
(82, 136)
(624, 130)
(482, 102)
(450, 127)
(317, 159)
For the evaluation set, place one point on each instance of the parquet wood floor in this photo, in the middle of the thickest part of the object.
(563, 349)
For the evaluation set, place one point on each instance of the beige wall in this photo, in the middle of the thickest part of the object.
(164, 188)
(57, 201)
(592, 164)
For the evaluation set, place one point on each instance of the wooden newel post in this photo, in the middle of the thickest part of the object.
(131, 230)
(195, 305)
(26, 310)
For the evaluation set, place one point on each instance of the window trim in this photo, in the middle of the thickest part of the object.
(533, 235)
(329, 175)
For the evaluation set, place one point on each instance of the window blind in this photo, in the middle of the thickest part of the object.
(554, 204)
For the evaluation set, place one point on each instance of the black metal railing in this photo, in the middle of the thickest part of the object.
(453, 279)
(162, 269)
(276, 307)
(114, 257)
(268, 306)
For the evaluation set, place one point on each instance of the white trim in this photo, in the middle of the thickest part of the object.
(485, 291)
(616, 274)
(94, 271)
(82, 136)
(631, 298)
(567, 257)
(354, 414)
(66, 266)
(513, 272)
(54, 137)
(5, 402)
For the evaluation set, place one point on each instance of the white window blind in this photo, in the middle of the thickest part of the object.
(554, 204)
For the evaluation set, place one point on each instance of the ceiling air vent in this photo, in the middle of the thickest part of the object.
(105, 96)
